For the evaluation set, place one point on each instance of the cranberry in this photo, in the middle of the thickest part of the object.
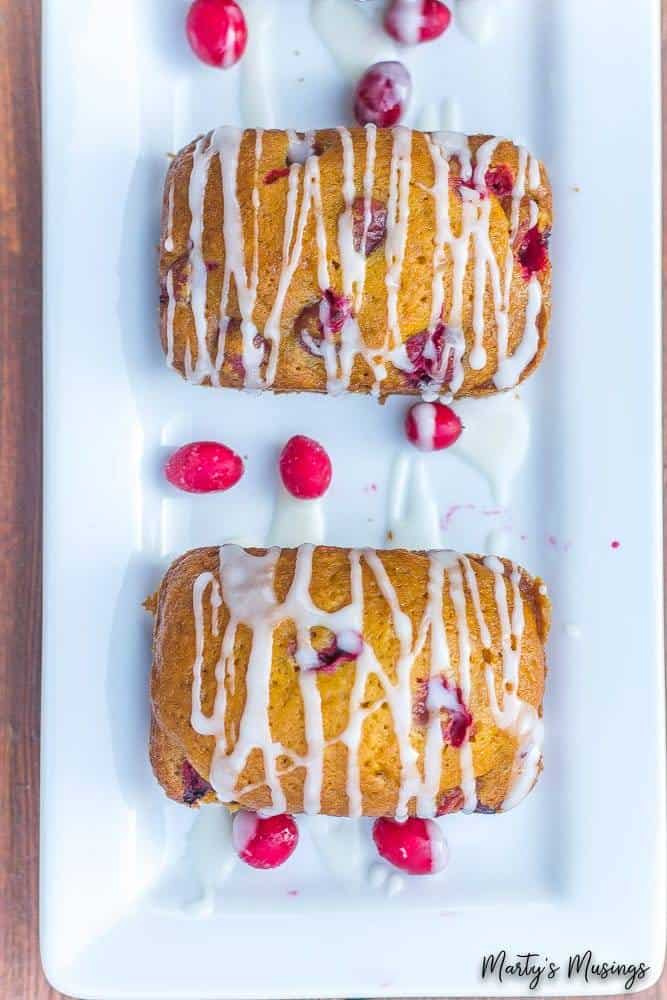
(217, 31)
(382, 94)
(499, 181)
(456, 182)
(455, 728)
(377, 224)
(194, 786)
(416, 846)
(427, 352)
(204, 467)
(450, 802)
(533, 252)
(276, 175)
(343, 648)
(437, 696)
(432, 426)
(305, 468)
(410, 23)
(264, 843)
(335, 310)
(457, 720)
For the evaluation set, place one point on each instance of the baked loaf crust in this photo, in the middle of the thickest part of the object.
(348, 682)
(375, 260)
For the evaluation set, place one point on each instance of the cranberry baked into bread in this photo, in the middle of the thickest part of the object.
(374, 260)
(348, 682)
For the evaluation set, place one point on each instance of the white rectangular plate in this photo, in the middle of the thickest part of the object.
(580, 864)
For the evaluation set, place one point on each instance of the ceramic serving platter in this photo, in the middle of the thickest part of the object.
(139, 899)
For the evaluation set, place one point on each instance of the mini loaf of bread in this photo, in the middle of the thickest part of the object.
(348, 682)
(374, 260)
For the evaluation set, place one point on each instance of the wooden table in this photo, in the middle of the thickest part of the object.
(20, 499)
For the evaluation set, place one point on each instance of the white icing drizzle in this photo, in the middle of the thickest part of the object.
(247, 583)
(227, 144)
(201, 161)
(398, 211)
(338, 352)
(169, 238)
(478, 19)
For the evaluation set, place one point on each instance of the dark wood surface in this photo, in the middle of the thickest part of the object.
(20, 501)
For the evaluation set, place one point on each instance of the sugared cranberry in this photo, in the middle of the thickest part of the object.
(533, 252)
(343, 648)
(377, 224)
(416, 846)
(264, 843)
(410, 22)
(432, 426)
(499, 181)
(432, 356)
(217, 31)
(204, 467)
(275, 175)
(382, 94)
(305, 468)
(194, 786)
(450, 802)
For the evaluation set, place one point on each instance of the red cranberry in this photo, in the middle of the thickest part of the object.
(217, 31)
(416, 846)
(499, 181)
(457, 720)
(533, 252)
(432, 426)
(382, 94)
(275, 175)
(427, 352)
(437, 696)
(305, 468)
(204, 467)
(194, 786)
(377, 224)
(264, 843)
(456, 182)
(343, 648)
(410, 23)
(335, 310)
(450, 802)
(455, 728)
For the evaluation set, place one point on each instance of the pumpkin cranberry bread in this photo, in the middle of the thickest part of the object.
(374, 260)
(348, 682)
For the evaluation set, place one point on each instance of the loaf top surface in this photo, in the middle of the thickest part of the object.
(349, 681)
(377, 260)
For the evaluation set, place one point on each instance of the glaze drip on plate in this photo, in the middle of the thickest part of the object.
(246, 587)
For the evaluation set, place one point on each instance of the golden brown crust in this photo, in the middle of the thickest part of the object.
(174, 741)
(297, 369)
